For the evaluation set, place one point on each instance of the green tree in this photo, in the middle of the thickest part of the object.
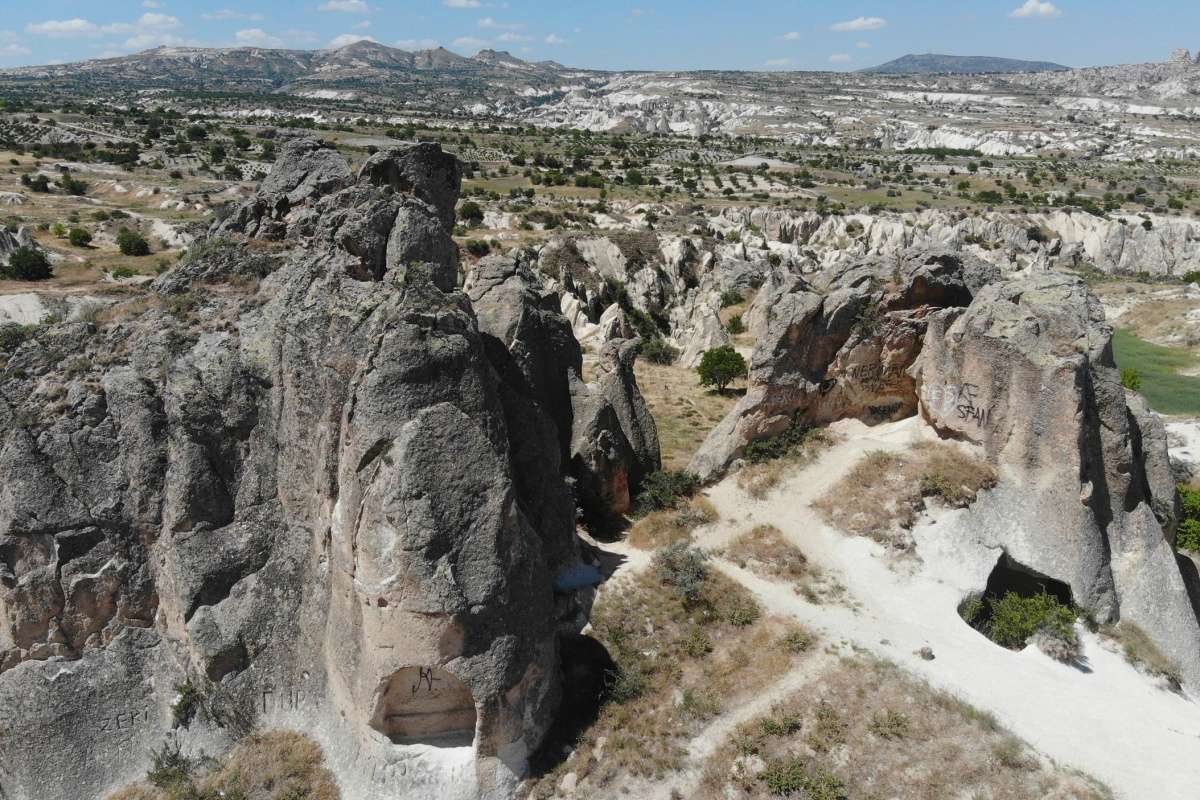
(471, 212)
(78, 237)
(132, 243)
(27, 264)
(720, 367)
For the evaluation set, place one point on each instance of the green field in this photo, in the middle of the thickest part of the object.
(1165, 389)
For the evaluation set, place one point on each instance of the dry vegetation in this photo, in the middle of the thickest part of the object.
(1141, 651)
(661, 528)
(883, 494)
(766, 552)
(689, 645)
(684, 411)
(280, 765)
(770, 461)
(867, 731)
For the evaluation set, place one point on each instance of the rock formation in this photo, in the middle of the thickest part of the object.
(1181, 56)
(11, 242)
(332, 499)
(838, 347)
(1086, 495)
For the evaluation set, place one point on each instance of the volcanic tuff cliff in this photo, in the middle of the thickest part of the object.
(312, 484)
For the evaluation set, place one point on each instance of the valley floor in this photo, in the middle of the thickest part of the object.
(1103, 718)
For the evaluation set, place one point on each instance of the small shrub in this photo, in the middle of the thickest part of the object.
(13, 336)
(1015, 619)
(736, 325)
(890, 725)
(784, 725)
(1131, 379)
(658, 351)
(682, 567)
(731, 297)
(27, 264)
(132, 243)
(699, 705)
(720, 367)
(796, 777)
(696, 643)
(743, 611)
(666, 489)
(626, 684)
(971, 608)
(123, 272)
(797, 641)
(169, 766)
(187, 704)
(829, 729)
(78, 237)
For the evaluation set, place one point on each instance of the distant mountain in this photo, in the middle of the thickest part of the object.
(933, 63)
(362, 66)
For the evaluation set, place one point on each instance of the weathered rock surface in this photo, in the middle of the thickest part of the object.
(1086, 494)
(11, 242)
(325, 499)
(837, 347)
(615, 441)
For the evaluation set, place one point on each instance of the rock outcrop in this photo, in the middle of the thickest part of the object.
(11, 242)
(838, 347)
(1086, 494)
(325, 499)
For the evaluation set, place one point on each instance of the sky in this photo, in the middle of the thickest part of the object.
(613, 34)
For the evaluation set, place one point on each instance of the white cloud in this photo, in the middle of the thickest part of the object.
(468, 43)
(257, 37)
(778, 62)
(345, 6)
(791, 36)
(494, 24)
(462, 3)
(9, 45)
(554, 38)
(863, 45)
(417, 44)
(229, 13)
(64, 28)
(148, 26)
(860, 24)
(348, 38)
(839, 58)
(1036, 9)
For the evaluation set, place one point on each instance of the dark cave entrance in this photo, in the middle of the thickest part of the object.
(425, 705)
(1007, 576)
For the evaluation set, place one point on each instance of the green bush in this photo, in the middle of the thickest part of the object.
(1131, 379)
(797, 641)
(78, 237)
(743, 612)
(665, 489)
(658, 351)
(471, 213)
(626, 684)
(478, 248)
(1188, 537)
(13, 336)
(132, 243)
(795, 777)
(890, 725)
(797, 436)
(731, 297)
(27, 264)
(123, 273)
(681, 566)
(1015, 619)
(720, 367)
(736, 325)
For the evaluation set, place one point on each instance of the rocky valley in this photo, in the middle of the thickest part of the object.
(386, 424)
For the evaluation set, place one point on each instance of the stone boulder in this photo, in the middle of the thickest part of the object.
(306, 169)
(837, 347)
(1086, 495)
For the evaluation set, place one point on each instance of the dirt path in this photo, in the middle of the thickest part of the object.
(1107, 720)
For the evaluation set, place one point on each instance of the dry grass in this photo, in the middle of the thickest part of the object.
(682, 663)
(684, 411)
(279, 765)
(883, 494)
(1141, 651)
(867, 730)
(661, 528)
(764, 551)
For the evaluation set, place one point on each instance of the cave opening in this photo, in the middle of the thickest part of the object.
(425, 705)
(1010, 576)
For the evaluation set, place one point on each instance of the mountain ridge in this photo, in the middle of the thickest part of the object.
(939, 63)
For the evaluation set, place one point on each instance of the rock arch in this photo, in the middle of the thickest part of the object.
(425, 705)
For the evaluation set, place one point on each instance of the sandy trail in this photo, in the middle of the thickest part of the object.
(1105, 719)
